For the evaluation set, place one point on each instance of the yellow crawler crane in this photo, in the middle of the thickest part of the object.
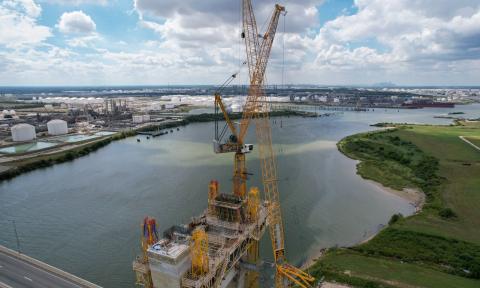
(258, 48)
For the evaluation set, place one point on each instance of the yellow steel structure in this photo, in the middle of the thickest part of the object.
(199, 252)
(253, 203)
(212, 194)
(141, 265)
(258, 48)
(143, 274)
(253, 255)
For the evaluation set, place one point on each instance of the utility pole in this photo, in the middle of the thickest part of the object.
(16, 236)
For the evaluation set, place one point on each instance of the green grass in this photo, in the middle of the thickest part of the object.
(439, 247)
(364, 271)
(475, 141)
(392, 161)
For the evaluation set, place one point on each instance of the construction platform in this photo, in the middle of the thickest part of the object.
(208, 251)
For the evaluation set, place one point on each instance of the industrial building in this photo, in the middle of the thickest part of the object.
(8, 114)
(137, 119)
(57, 127)
(23, 132)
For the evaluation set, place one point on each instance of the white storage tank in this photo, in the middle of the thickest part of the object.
(146, 118)
(23, 132)
(137, 119)
(57, 127)
(236, 108)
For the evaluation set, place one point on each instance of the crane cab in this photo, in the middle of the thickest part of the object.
(247, 148)
(231, 147)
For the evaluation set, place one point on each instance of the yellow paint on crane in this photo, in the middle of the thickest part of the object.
(199, 252)
(212, 194)
(253, 203)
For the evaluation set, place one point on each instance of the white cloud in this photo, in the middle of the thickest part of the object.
(84, 41)
(18, 23)
(410, 32)
(28, 6)
(403, 41)
(76, 22)
(407, 41)
(79, 2)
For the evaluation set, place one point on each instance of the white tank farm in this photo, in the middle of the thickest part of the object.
(137, 119)
(23, 132)
(57, 127)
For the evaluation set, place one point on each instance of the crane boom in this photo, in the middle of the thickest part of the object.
(250, 34)
(256, 107)
(257, 72)
(258, 49)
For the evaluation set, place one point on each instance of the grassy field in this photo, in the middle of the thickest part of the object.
(383, 272)
(439, 247)
(475, 141)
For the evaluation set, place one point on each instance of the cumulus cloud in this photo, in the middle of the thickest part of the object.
(28, 6)
(213, 13)
(407, 41)
(18, 23)
(207, 33)
(78, 2)
(76, 22)
(410, 31)
(403, 41)
(84, 41)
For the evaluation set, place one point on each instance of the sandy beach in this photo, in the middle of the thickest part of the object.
(412, 195)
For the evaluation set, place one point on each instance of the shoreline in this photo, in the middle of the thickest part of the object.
(47, 158)
(414, 196)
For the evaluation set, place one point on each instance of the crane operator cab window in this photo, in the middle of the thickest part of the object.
(247, 148)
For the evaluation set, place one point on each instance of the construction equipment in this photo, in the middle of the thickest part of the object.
(199, 250)
(141, 265)
(220, 246)
(258, 48)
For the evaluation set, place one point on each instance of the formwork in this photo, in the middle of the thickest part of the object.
(231, 228)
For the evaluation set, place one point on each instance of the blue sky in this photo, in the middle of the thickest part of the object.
(331, 9)
(129, 42)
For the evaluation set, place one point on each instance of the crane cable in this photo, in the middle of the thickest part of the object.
(283, 52)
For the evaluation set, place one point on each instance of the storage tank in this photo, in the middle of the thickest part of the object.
(137, 119)
(57, 127)
(235, 108)
(23, 132)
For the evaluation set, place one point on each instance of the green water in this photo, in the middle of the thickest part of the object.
(28, 147)
(84, 216)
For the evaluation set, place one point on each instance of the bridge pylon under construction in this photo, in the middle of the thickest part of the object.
(216, 249)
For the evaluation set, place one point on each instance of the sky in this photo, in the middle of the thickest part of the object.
(160, 42)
